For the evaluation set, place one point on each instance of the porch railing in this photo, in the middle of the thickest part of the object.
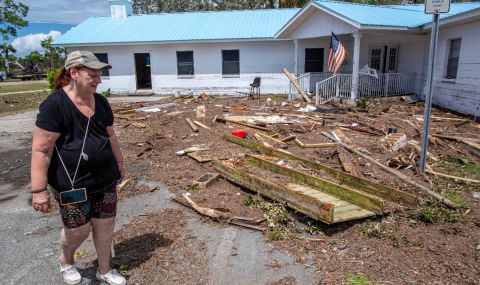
(304, 83)
(339, 85)
(387, 84)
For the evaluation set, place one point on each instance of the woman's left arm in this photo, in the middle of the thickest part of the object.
(117, 152)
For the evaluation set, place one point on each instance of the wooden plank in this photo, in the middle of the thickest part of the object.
(192, 125)
(474, 147)
(342, 211)
(295, 83)
(319, 195)
(340, 176)
(202, 125)
(346, 163)
(353, 213)
(453, 177)
(289, 138)
(456, 138)
(201, 159)
(224, 120)
(359, 198)
(343, 137)
(297, 200)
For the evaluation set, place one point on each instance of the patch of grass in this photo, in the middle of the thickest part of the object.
(312, 228)
(379, 231)
(357, 279)
(362, 103)
(193, 188)
(123, 269)
(16, 103)
(276, 214)
(433, 212)
(455, 199)
(276, 235)
(41, 85)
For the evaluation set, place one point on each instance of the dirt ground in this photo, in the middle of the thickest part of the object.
(425, 244)
(428, 244)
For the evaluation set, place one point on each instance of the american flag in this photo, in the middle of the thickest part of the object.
(336, 55)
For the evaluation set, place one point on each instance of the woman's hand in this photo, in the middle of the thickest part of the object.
(41, 201)
(122, 172)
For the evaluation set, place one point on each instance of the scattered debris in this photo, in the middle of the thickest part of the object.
(191, 124)
(201, 111)
(206, 180)
(155, 108)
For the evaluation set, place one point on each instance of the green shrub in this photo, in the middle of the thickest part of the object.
(433, 212)
(106, 93)
(51, 78)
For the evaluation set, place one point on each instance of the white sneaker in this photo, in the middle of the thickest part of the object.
(112, 278)
(71, 275)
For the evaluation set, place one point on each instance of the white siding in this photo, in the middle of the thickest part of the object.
(263, 59)
(320, 24)
(463, 93)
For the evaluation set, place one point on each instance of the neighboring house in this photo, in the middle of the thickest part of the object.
(222, 52)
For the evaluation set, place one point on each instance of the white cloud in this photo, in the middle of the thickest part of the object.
(26, 44)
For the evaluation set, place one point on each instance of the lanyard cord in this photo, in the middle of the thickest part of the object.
(82, 154)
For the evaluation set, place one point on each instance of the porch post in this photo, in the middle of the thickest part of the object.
(356, 61)
(295, 64)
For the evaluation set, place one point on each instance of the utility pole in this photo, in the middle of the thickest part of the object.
(434, 7)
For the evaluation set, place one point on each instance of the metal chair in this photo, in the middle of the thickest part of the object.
(255, 89)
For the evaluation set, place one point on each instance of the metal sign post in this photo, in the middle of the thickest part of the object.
(431, 7)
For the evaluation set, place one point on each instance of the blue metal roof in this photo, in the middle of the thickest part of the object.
(408, 16)
(175, 27)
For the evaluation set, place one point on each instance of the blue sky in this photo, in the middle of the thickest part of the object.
(54, 17)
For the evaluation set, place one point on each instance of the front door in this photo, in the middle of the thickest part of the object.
(384, 58)
(143, 71)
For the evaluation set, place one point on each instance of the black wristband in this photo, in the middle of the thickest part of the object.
(39, 190)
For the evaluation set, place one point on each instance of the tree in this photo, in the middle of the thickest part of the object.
(55, 55)
(7, 52)
(12, 18)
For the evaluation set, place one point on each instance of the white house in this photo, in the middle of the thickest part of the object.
(222, 52)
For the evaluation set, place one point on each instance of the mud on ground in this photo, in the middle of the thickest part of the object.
(425, 245)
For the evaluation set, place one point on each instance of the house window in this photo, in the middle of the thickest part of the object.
(375, 58)
(230, 62)
(185, 63)
(452, 60)
(314, 60)
(103, 57)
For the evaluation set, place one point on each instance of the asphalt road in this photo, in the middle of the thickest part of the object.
(29, 245)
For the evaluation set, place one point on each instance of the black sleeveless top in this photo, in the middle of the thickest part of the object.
(59, 114)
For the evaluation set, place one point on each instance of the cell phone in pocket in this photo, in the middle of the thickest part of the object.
(74, 196)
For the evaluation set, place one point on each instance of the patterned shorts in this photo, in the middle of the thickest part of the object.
(101, 205)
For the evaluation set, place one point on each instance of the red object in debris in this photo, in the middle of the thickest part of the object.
(239, 133)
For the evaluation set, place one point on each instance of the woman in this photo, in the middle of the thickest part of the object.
(76, 152)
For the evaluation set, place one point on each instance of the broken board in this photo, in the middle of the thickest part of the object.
(302, 198)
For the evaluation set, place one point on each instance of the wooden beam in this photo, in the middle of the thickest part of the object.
(192, 125)
(202, 125)
(295, 83)
(359, 198)
(346, 163)
(297, 200)
(340, 176)
(394, 172)
(452, 177)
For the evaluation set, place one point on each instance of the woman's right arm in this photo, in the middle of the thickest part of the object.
(42, 149)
